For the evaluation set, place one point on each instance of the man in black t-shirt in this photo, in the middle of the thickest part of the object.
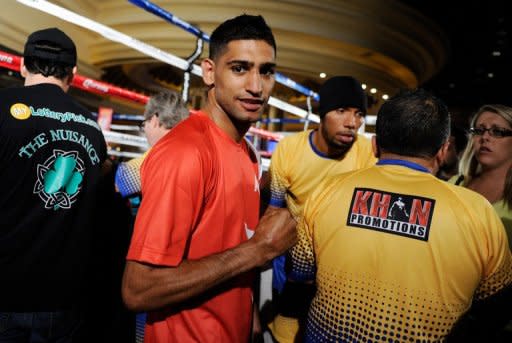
(51, 157)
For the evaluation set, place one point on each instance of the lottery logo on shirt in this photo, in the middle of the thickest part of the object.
(20, 111)
(399, 214)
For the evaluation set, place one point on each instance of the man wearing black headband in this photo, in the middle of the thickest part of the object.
(299, 164)
(51, 154)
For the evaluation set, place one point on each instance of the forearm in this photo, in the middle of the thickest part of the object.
(148, 287)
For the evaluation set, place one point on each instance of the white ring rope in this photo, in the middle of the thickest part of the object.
(146, 49)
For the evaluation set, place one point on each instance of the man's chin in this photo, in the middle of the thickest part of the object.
(254, 116)
(339, 149)
(343, 145)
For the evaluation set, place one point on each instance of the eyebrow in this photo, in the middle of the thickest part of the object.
(243, 62)
(251, 64)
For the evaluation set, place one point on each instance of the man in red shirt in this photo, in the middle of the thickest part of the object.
(197, 238)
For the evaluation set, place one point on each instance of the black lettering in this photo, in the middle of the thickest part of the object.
(421, 231)
(405, 227)
(367, 220)
(360, 219)
(392, 225)
(376, 222)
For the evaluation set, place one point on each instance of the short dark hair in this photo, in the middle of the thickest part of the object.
(242, 27)
(47, 68)
(413, 123)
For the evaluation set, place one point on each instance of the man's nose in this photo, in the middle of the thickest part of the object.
(254, 84)
(350, 120)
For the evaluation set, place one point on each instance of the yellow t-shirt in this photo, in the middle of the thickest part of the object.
(397, 254)
(297, 169)
(501, 208)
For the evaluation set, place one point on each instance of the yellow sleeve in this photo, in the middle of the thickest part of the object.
(279, 182)
(301, 255)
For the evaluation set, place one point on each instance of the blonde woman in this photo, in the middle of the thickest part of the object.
(486, 163)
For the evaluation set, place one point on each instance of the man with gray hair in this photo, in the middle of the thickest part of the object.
(163, 111)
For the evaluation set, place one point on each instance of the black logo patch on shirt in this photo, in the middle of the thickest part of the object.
(398, 214)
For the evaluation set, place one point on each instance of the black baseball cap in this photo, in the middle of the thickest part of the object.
(51, 44)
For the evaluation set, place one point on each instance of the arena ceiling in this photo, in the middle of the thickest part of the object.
(384, 43)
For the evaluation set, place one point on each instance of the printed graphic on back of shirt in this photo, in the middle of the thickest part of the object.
(59, 179)
(399, 214)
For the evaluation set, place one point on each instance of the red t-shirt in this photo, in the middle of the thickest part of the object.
(200, 197)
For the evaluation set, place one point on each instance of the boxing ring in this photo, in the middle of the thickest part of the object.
(187, 66)
(113, 136)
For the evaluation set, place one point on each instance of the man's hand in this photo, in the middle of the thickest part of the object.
(147, 287)
(276, 232)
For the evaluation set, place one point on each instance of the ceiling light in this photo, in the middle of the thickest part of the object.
(496, 53)
(323, 75)
(373, 90)
(363, 85)
(385, 96)
(490, 75)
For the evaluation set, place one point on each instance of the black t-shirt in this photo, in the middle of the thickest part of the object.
(51, 153)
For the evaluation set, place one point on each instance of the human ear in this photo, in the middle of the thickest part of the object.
(375, 147)
(23, 69)
(208, 68)
(441, 155)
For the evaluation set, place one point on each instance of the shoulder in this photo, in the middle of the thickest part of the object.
(196, 127)
(363, 142)
(296, 138)
(188, 141)
(340, 179)
(293, 142)
(10, 91)
(11, 95)
(465, 194)
(336, 183)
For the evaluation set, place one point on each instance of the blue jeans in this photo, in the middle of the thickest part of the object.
(40, 327)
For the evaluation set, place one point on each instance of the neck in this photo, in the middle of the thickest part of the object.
(428, 163)
(35, 79)
(494, 173)
(234, 129)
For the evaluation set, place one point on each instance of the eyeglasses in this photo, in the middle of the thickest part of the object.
(497, 132)
(142, 124)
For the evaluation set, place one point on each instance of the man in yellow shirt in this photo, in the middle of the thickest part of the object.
(300, 162)
(409, 277)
